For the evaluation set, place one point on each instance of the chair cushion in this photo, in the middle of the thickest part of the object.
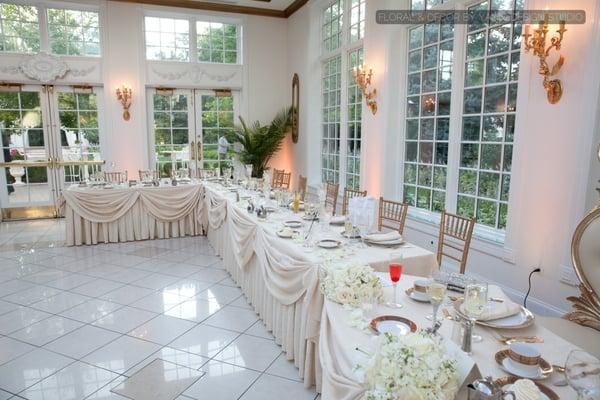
(586, 338)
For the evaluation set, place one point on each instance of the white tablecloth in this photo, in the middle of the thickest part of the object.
(280, 278)
(132, 213)
(338, 341)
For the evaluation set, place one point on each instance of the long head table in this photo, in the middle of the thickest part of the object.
(279, 276)
(339, 340)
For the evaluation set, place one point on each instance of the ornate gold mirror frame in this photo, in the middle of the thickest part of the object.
(586, 306)
(295, 107)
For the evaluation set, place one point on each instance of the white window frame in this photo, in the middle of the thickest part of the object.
(488, 234)
(43, 7)
(193, 46)
(343, 51)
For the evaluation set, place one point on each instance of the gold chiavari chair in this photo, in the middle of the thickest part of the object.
(302, 184)
(331, 195)
(459, 230)
(275, 177)
(205, 173)
(115, 177)
(181, 173)
(348, 194)
(392, 215)
(148, 175)
(283, 181)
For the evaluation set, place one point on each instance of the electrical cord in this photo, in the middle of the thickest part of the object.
(529, 288)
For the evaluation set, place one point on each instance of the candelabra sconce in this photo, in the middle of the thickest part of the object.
(536, 41)
(124, 95)
(363, 80)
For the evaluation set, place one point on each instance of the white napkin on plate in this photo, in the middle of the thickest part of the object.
(337, 220)
(387, 237)
(495, 310)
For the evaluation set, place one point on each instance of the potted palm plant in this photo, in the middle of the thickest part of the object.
(261, 142)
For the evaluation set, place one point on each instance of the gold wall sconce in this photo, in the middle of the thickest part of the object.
(124, 95)
(363, 80)
(536, 41)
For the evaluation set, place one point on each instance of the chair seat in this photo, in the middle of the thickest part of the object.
(586, 338)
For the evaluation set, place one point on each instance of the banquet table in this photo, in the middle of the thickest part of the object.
(120, 214)
(280, 277)
(339, 340)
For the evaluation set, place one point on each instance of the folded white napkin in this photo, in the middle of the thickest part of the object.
(392, 236)
(495, 310)
(337, 220)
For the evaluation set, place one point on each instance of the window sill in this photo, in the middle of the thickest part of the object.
(485, 240)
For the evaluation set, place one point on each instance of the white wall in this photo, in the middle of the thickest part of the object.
(553, 169)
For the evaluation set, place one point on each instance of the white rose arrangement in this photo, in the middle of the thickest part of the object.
(351, 285)
(411, 367)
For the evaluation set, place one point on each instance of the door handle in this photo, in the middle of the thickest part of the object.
(192, 151)
(199, 151)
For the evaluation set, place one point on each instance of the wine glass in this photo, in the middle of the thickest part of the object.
(395, 269)
(436, 292)
(582, 371)
(476, 299)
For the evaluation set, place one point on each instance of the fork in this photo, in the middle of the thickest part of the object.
(510, 339)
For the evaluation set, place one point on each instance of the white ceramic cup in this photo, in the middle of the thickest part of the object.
(420, 289)
(524, 357)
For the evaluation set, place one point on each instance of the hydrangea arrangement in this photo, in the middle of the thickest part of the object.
(411, 367)
(351, 285)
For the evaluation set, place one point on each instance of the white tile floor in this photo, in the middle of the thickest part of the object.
(78, 321)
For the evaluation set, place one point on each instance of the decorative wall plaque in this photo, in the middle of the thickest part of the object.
(44, 67)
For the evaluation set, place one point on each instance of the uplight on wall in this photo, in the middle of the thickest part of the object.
(124, 95)
(363, 80)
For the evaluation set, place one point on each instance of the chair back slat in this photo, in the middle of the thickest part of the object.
(205, 173)
(459, 230)
(392, 215)
(331, 195)
(302, 185)
(275, 177)
(115, 177)
(349, 194)
(148, 175)
(282, 180)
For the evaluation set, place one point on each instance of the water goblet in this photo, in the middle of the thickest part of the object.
(436, 292)
(582, 371)
(476, 299)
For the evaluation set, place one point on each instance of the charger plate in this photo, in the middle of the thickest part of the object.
(393, 324)
(523, 319)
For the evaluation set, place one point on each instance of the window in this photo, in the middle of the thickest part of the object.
(74, 32)
(217, 121)
(332, 71)
(357, 20)
(332, 26)
(19, 28)
(481, 125)
(217, 42)
(167, 39)
(171, 133)
(355, 58)
(488, 121)
(430, 56)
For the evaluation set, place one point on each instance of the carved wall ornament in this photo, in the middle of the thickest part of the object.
(195, 74)
(81, 72)
(44, 67)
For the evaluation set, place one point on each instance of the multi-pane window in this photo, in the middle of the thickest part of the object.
(429, 85)
(357, 20)
(420, 5)
(217, 42)
(488, 121)
(171, 133)
(19, 28)
(353, 141)
(332, 26)
(74, 32)
(332, 88)
(217, 120)
(167, 39)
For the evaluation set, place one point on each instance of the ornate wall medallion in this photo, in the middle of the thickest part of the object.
(44, 67)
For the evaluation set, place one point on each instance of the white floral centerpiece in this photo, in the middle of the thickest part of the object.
(411, 367)
(352, 285)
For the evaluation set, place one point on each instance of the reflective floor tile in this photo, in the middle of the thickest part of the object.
(126, 294)
(159, 380)
(210, 275)
(73, 382)
(188, 287)
(82, 341)
(233, 318)
(194, 310)
(175, 356)
(259, 329)
(45, 331)
(284, 368)
(202, 260)
(105, 394)
(156, 281)
(32, 295)
(204, 340)
(71, 281)
(222, 381)
(241, 302)
(222, 294)
(181, 270)
(124, 319)
(122, 354)
(97, 287)
(11, 349)
(20, 318)
(30, 368)
(7, 307)
(129, 275)
(46, 275)
(14, 286)
(91, 310)
(61, 302)
(273, 387)
(162, 329)
(148, 252)
(250, 352)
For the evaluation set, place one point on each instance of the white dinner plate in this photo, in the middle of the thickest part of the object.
(293, 224)
(329, 243)
(393, 324)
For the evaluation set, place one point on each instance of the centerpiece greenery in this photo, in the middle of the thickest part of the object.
(261, 142)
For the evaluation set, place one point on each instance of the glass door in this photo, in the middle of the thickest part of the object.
(26, 187)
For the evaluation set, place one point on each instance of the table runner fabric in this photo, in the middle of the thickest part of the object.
(280, 280)
(120, 215)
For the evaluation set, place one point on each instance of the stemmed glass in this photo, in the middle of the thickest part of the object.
(395, 269)
(582, 371)
(436, 292)
(476, 299)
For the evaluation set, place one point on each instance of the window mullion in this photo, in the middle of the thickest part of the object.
(44, 33)
(193, 41)
(343, 152)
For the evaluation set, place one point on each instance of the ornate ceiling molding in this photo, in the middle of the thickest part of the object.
(195, 74)
(45, 68)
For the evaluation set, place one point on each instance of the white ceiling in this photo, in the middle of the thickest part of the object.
(273, 4)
